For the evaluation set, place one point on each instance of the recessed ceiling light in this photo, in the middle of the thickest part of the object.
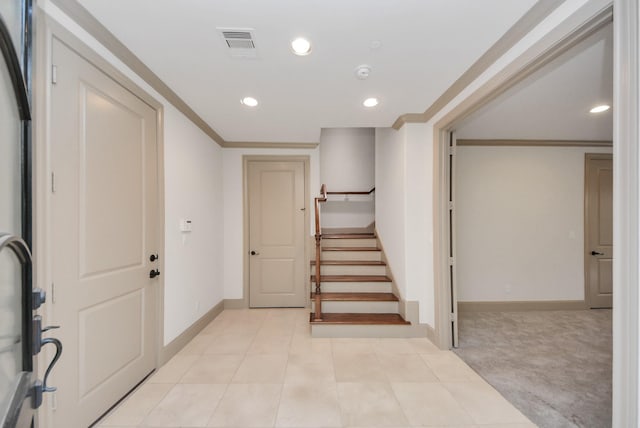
(600, 109)
(370, 102)
(301, 46)
(249, 101)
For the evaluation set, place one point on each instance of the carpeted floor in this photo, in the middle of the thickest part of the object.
(555, 366)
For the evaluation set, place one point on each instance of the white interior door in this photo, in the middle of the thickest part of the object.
(599, 230)
(276, 234)
(104, 228)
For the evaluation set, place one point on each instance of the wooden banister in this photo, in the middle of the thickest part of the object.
(352, 193)
(318, 300)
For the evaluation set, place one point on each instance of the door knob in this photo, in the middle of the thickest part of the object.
(153, 273)
(596, 253)
(254, 253)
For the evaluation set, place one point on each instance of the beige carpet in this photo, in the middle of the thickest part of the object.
(555, 366)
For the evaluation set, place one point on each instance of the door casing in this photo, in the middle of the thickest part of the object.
(245, 232)
(46, 30)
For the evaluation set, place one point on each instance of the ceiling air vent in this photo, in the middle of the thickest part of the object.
(239, 41)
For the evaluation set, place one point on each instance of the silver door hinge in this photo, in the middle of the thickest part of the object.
(53, 183)
(452, 150)
(451, 261)
(453, 317)
(54, 74)
(450, 205)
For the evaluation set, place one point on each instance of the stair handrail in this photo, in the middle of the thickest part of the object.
(373, 189)
(318, 236)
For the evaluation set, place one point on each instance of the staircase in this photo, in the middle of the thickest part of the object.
(356, 298)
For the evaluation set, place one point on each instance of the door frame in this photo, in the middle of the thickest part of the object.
(245, 219)
(587, 244)
(589, 19)
(626, 154)
(47, 30)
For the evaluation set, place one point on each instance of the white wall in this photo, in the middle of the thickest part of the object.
(391, 200)
(347, 163)
(404, 213)
(193, 184)
(234, 208)
(347, 158)
(520, 223)
(193, 190)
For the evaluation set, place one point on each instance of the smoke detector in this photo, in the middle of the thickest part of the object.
(239, 41)
(363, 71)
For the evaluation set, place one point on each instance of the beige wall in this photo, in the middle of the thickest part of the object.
(520, 223)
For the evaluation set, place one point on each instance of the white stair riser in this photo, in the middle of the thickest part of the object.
(377, 331)
(352, 255)
(354, 287)
(351, 270)
(349, 242)
(358, 307)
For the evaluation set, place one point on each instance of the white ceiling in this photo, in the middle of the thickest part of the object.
(425, 46)
(554, 102)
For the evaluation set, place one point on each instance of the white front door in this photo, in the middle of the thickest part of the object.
(276, 234)
(104, 228)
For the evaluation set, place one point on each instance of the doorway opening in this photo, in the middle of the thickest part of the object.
(515, 237)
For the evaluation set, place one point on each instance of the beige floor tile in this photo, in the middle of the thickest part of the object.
(304, 344)
(174, 369)
(186, 406)
(277, 327)
(448, 367)
(308, 368)
(137, 406)
(309, 405)
(248, 405)
(352, 346)
(261, 368)
(527, 425)
(405, 368)
(263, 344)
(393, 346)
(369, 405)
(213, 369)
(484, 404)
(423, 345)
(230, 344)
(198, 345)
(430, 404)
(358, 368)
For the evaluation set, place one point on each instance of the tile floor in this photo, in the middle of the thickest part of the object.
(261, 368)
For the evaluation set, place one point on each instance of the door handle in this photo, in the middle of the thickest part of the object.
(153, 273)
(254, 253)
(153, 257)
(596, 253)
(39, 388)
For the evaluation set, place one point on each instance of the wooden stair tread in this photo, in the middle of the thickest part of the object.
(350, 249)
(352, 278)
(350, 263)
(362, 319)
(349, 236)
(357, 297)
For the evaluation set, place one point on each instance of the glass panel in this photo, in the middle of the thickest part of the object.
(10, 155)
(11, 12)
(10, 321)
